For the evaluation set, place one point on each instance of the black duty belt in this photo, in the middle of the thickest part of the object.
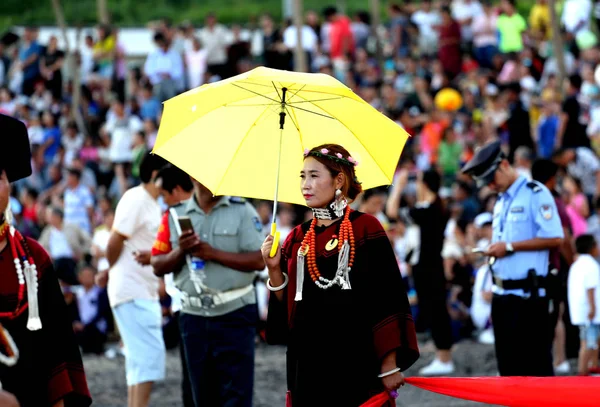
(527, 284)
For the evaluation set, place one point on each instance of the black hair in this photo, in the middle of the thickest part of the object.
(584, 244)
(173, 177)
(462, 224)
(597, 203)
(160, 37)
(466, 187)
(149, 164)
(542, 170)
(432, 180)
(329, 11)
(56, 211)
(575, 81)
(373, 192)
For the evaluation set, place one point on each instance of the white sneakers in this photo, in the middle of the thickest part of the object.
(563, 368)
(437, 368)
(486, 337)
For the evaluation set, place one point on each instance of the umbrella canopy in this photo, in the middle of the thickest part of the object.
(237, 135)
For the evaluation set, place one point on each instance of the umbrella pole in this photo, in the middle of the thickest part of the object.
(274, 231)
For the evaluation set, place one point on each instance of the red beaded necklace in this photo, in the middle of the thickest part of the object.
(308, 245)
(20, 253)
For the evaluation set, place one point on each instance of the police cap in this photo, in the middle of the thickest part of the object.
(15, 151)
(484, 163)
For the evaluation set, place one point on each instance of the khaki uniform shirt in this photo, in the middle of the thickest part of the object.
(231, 226)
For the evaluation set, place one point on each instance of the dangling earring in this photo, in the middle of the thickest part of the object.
(339, 203)
(8, 215)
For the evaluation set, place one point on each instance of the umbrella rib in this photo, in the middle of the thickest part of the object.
(291, 97)
(292, 119)
(255, 83)
(256, 93)
(237, 150)
(277, 90)
(348, 128)
(316, 100)
(293, 113)
(310, 111)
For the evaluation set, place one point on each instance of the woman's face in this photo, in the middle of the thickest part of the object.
(317, 185)
(4, 191)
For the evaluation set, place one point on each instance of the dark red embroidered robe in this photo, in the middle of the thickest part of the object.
(49, 367)
(338, 338)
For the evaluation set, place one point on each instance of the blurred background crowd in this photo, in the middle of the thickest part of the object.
(454, 74)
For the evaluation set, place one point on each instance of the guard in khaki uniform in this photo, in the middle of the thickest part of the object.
(215, 268)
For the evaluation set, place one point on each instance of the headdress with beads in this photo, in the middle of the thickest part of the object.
(337, 157)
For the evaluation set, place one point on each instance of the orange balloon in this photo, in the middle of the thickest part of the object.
(448, 99)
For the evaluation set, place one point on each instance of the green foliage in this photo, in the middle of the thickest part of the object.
(136, 13)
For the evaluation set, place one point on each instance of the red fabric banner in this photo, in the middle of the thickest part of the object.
(517, 391)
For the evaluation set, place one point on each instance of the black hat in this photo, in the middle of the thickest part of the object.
(15, 152)
(484, 163)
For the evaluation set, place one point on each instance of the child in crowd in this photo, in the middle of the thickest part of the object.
(584, 300)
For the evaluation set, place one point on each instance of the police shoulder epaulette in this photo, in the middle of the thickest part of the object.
(237, 200)
(534, 186)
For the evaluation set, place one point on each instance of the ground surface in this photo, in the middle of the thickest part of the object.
(107, 378)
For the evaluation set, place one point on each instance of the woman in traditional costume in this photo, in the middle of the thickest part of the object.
(338, 299)
(40, 363)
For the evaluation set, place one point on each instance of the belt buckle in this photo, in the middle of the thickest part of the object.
(207, 301)
(498, 283)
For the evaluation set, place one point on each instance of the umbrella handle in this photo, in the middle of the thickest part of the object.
(276, 236)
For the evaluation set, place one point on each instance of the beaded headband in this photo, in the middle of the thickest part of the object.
(337, 157)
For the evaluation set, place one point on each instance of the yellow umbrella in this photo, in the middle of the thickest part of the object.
(240, 135)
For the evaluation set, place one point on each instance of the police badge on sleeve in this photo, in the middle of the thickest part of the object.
(546, 211)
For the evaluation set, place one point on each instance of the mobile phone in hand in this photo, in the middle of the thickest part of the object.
(185, 223)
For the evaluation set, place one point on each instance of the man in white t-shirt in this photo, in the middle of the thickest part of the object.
(464, 11)
(427, 19)
(132, 285)
(584, 300)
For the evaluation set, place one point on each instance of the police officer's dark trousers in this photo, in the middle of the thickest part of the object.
(219, 352)
(522, 336)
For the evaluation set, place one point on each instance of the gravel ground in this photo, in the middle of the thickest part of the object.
(106, 378)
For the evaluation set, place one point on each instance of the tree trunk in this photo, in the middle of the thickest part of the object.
(71, 63)
(558, 46)
(375, 23)
(300, 64)
(102, 7)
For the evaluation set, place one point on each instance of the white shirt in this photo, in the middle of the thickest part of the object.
(425, 21)
(485, 30)
(215, 42)
(137, 217)
(461, 10)
(575, 12)
(100, 240)
(584, 168)
(174, 293)
(59, 245)
(481, 310)
(196, 67)
(77, 203)
(309, 38)
(72, 147)
(583, 275)
(121, 137)
(87, 303)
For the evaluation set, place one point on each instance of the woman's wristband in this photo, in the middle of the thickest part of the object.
(282, 286)
(389, 373)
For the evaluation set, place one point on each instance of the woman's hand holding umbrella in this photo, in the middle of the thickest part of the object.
(276, 276)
